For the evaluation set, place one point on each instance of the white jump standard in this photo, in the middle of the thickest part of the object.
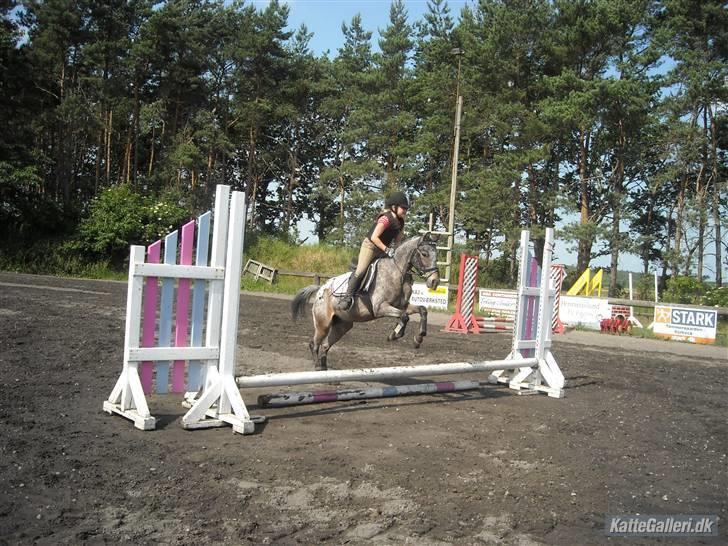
(220, 402)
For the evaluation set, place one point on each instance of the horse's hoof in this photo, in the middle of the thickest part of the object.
(392, 337)
(417, 341)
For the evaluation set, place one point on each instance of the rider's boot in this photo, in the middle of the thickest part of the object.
(345, 302)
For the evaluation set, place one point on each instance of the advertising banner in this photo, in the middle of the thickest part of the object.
(432, 299)
(684, 324)
(584, 312)
(497, 302)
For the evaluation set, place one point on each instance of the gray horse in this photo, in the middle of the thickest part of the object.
(387, 296)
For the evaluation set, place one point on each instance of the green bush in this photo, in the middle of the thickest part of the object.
(683, 290)
(645, 288)
(26, 212)
(118, 217)
(716, 297)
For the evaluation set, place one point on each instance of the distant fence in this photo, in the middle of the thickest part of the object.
(722, 311)
(318, 277)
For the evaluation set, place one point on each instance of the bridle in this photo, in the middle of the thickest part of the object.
(426, 272)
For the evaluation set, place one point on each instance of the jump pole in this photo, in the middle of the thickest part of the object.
(369, 374)
(278, 400)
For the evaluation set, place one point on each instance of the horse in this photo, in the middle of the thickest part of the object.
(387, 295)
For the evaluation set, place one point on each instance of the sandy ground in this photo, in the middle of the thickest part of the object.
(643, 429)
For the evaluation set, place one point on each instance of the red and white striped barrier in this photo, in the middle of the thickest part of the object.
(558, 273)
(464, 319)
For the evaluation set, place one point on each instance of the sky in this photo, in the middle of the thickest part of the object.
(323, 18)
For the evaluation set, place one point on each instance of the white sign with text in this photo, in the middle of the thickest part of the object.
(684, 324)
(432, 299)
(584, 312)
(497, 302)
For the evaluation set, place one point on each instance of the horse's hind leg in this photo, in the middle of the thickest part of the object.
(337, 331)
(322, 327)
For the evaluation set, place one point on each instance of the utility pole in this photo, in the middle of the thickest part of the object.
(454, 171)
(450, 233)
(453, 190)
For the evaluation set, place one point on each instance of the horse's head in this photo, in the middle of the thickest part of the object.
(424, 260)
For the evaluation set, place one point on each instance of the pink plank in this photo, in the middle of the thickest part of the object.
(181, 338)
(149, 317)
(532, 277)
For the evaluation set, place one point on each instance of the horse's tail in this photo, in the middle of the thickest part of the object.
(301, 299)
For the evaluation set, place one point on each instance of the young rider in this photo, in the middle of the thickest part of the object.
(385, 233)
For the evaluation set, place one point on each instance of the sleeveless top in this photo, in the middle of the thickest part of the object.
(395, 226)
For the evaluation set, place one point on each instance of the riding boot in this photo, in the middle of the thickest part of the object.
(346, 301)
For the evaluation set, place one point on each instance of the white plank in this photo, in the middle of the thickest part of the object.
(177, 271)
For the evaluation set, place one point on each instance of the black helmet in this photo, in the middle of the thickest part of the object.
(397, 198)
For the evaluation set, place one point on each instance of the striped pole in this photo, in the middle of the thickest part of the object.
(558, 272)
(463, 320)
(490, 327)
(281, 399)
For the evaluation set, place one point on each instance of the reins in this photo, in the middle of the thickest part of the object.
(409, 265)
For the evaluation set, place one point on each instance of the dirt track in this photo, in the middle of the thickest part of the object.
(640, 431)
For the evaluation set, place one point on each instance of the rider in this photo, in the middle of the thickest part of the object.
(386, 231)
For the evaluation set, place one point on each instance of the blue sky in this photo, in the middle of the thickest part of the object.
(324, 17)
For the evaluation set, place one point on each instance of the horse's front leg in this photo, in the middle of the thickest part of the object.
(391, 311)
(399, 329)
(422, 310)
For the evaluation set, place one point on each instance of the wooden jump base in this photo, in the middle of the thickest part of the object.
(283, 399)
(530, 366)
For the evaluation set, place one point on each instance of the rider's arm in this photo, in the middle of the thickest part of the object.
(378, 230)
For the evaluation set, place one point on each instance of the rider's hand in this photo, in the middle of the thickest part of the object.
(389, 252)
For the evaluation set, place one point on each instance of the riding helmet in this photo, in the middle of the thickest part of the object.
(397, 198)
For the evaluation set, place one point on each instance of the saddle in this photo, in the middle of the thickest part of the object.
(369, 274)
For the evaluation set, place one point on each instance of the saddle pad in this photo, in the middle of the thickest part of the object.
(338, 284)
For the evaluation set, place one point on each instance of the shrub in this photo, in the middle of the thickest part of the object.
(683, 290)
(645, 288)
(716, 297)
(118, 217)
